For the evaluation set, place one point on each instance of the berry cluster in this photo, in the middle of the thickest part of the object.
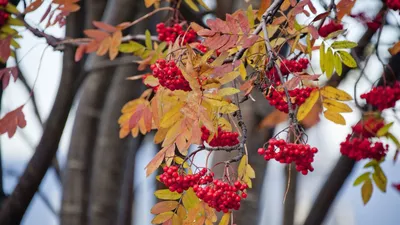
(362, 148)
(3, 14)
(171, 33)
(278, 98)
(218, 194)
(368, 128)
(287, 67)
(373, 24)
(169, 75)
(222, 138)
(383, 97)
(302, 155)
(329, 28)
(359, 145)
(180, 182)
(393, 4)
(222, 196)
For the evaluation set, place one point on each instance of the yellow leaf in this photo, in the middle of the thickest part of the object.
(206, 56)
(343, 44)
(164, 206)
(176, 220)
(338, 64)
(322, 56)
(224, 124)
(203, 4)
(172, 133)
(329, 63)
(395, 49)
(334, 93)
(250, 172)
(190, 199)
(228, 91)
(220, 59)
(228, 77)
(149, 3)
(225, 219)
(347, 59)
(171, 116)
(263, 6)
(181, 212)
(166, 194)
(169, 154)
(366, 191)
(231, 108)
(335, 117)
(306, 107)
(161, 218)
(335, 106)
(242, 166)
(242, 71)
(160, 135)
(194, 215)
(179, 160)
(250, 15)
(192, 5)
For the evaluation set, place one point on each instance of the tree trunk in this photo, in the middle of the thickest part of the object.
(15, 206)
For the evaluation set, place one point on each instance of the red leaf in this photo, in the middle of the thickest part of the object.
(5, 75)
(12, 120)
(321, 16)
(46, 13)
(96, 34)
(243, 22)
(206, 33)
(250, 41)
(344, 7)
(33, 6)
(5, 50)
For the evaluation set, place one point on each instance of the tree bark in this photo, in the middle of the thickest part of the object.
(111, 151)
(15, 206)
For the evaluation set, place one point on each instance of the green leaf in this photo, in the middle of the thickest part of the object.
(190, 199)
(334, 34)
(322, 57)
(372, 163)
(380, 178)
(12, 9)
(15, 22)
(130, 47)
(343, 44)
(225, 219)
(161, 218)
(297, 26)
(148, 40)
(347, 59)
(384, 130)
(191, 4)
(166, 194)
(394, 139)
(338, 64)
(329, 63)
(14, 43)
(366, 191)
(363, 177)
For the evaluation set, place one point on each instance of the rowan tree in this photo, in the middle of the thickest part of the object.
(198, 76)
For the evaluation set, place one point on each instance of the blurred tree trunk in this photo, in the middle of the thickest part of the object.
(14, 207)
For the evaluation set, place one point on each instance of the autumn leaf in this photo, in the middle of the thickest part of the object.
(334, 93)
(5, 50)
(115, 42)
(11, 121)
(335, 117)
(161, 218)
(5, 75)
(225, 219)
(344, 7)
(33, 6)
(336, 106)
(104, 26)
(164, 206)
(306, 107)
(395, 49)
(366, 191)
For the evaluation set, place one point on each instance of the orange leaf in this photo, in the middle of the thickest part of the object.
(33, 6)
(115, 43)
(264, 6)
(80, 51)
(96, 34)
(344, 8)
(70, 8)
(395, 49)
(12, 120)
(104, 26)
(104, 46)
(164, 206)
(155, 162)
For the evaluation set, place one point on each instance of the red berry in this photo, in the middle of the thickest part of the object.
(171, 33)
(329, 28)
(383, 97)
(222, 138)
(169, 75)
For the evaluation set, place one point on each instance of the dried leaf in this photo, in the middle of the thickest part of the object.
(161, 218)
(335, 117)
(344, 7)
(164, 206)
(306, 107)
(11, 121)
(155, 163)
(5, 75)
(104, 26)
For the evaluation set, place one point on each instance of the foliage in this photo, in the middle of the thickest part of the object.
(196, 87)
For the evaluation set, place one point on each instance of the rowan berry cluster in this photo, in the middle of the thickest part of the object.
(329, 28)
(3, 14)
(373, 24)
(279, 101)
(222, 196)
(169, 75)
(383, 97)
(393, 4)
(171, 33)
(221, 139)
(178, 181)
(362, 148)
(287, 67)
(369, 127)
(302, 155)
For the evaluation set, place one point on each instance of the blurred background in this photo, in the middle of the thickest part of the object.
(99, 179)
